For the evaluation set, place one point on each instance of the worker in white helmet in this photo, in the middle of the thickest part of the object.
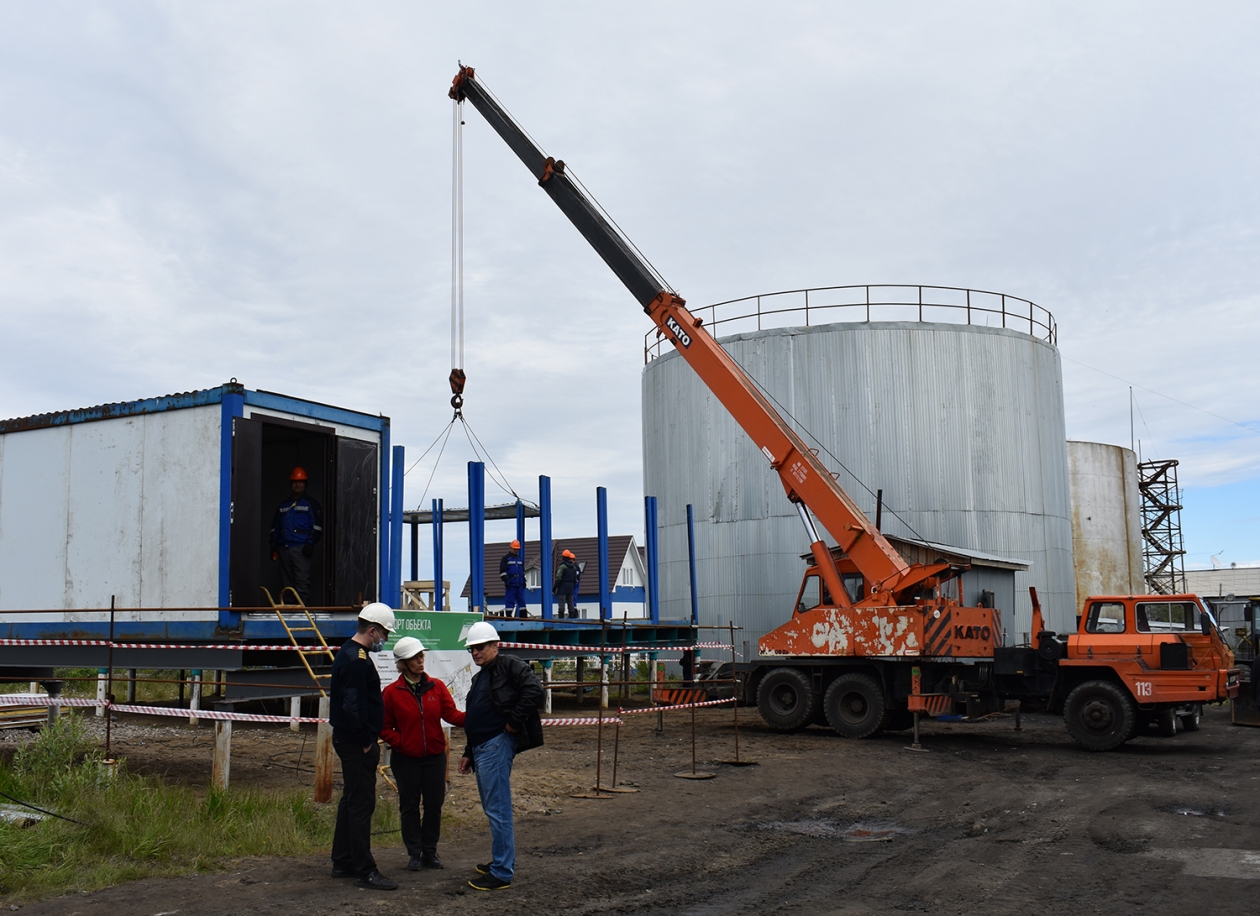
(357, 715)
(415, 707)
(501, 721)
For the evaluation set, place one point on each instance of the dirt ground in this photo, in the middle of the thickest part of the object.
(984, 820)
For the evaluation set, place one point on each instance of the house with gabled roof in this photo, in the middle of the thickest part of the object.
(627, 576)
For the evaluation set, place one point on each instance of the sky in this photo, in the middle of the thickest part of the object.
(196, 192)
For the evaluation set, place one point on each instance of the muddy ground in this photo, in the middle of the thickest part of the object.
(984, 820)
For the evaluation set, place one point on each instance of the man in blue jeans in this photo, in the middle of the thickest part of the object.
(501, 721)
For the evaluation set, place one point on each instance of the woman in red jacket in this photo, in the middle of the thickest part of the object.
(415, 706)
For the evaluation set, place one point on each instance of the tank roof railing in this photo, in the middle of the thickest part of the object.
(872, 302)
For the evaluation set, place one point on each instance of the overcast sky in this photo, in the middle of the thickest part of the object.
(195, 192)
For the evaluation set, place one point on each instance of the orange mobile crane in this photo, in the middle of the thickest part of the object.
(901, 643)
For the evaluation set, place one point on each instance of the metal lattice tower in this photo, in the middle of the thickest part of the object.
(1162, 546)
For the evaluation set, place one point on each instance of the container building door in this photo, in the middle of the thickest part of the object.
(357, 512)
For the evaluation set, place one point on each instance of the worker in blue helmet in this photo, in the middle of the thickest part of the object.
(512, 572)
(296, 528)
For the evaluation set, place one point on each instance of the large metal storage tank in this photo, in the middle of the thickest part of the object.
(960, 424)
(1106, 520)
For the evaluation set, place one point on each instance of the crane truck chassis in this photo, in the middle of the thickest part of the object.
(876, 641)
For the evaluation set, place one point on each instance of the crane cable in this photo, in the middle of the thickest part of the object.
(457, 377)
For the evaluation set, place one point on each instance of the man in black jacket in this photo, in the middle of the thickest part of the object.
(501, 721)
(357, 716)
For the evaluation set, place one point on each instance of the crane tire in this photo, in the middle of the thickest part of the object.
(1099, 715)
(787, 700)
(854, 705)
(1166, 723)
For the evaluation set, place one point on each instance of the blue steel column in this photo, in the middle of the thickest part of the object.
(520, 532)
(439, 593)
(415, 551)
(233, 405)
(653, 586)
(477, 536)
(601, 513)
(544, 544)
(691, 560)
(395, 528)
(383, 497)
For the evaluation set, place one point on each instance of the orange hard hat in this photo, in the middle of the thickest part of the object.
(299, 473)
(516, 545)
(569, 554)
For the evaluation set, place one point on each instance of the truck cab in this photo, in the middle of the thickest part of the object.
(1138, 659)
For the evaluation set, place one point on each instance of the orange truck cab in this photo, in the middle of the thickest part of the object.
(1134, 661)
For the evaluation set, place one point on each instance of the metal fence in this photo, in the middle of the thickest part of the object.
(865, 303)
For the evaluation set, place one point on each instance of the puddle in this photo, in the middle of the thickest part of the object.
(860, 832)
(1192, 811)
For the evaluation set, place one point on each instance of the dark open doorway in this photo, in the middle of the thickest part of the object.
(341, 477)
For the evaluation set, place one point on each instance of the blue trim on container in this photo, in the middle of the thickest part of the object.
(315, 411)
(233, 406)
(382, 579)
(395, 528)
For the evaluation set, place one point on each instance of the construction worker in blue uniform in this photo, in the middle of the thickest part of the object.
(512, 572)
(295, 530)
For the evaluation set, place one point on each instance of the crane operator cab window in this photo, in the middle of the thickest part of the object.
(813, 594)
(1167, 617)
(1105, 617)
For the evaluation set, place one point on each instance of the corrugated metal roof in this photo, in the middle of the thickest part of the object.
(184, 399)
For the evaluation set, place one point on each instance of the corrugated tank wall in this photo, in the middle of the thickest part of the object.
(1106, 520)
(961, 426)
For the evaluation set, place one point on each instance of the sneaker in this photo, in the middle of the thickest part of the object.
(488, 883)
(339, 872)
(483, 869)
(374, 880)
(415, 863)
(431, 860)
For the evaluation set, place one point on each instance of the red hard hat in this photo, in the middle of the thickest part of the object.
(516, 545)
(298, 474)
(569, 554)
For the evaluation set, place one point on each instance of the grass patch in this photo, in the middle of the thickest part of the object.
(134, 827)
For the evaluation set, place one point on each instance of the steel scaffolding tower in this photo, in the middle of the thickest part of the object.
(1162, 546)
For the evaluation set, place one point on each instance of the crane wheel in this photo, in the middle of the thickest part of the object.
(854, 705)
(786, 699)
(1099, 715)
(1189, 722)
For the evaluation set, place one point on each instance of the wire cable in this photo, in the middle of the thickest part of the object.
(437, 461)
(429, 449)
(500, 480)
(41, 810)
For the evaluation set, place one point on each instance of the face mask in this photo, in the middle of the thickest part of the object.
(378, 644)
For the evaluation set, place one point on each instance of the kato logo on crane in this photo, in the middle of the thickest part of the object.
(676, 329)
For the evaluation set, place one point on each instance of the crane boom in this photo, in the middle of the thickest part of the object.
(806, 480)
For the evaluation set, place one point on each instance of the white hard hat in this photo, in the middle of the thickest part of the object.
(379, 614)
(407, 647)
(481, 632)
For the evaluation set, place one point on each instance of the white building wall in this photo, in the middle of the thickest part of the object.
(126, 507)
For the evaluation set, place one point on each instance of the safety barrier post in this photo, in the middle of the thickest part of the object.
(102, 682)
(323, 754)
(194, 702)
(295, 710)
(131, 685)
(222, 766)
(603, 682)
(547, 676)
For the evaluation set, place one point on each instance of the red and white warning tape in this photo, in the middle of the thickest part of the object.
(153, 645)
(631, 712)
(607, 650)
(28, 700)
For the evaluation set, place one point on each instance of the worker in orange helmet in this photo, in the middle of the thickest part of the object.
(565, 585)
(512, 572)
(296, 528)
